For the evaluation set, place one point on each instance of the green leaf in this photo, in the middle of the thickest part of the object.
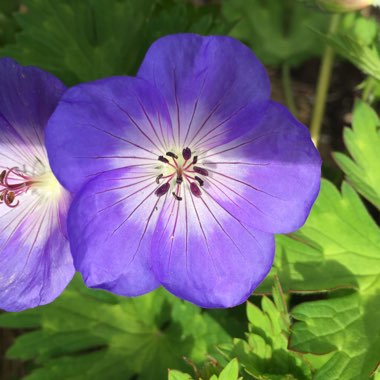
(85, 40)
(264, 353)
(112, 337)
(176, 375)
(337, 248)
(363, 144)
(278, 31)
(347, 326)
(231, 371)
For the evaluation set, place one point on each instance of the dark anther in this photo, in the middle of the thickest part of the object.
(195, 189)
(159, 177)
(199, 170)
(200, 181)
(195, 160)
(163, 189)
(171, 154)
(176, 196)
(186, 153)
(10, 197)
(163, 159)
(2, 175)
(179, 180)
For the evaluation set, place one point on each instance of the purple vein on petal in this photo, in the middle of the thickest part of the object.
(235, 192)
(203, 232)
(173, 234)
(20, 216)
(144, 232)
(122, 167)
(117, 157)
(126, 197)
(136, 125)
(135, 209)
(177, 106)
(121, 139)
(216, 107)
(213, 111)
(236, 146)
(244, 183)
(194, 111)
(232, 215)
(199, 142)
(20, 137)
(151, 124)
(170, 215)
(237, 163)
(222, 228)
(42, 220)
(162, 130)
(125, 186)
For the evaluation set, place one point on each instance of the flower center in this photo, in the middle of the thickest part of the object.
(14, 182)
(182, 169)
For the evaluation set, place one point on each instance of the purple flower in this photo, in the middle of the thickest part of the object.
(185, 172)
(35, 260)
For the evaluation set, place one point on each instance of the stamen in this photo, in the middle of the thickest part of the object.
(179, 179)
(176, 196)
(195, 160)
(159, 177)
(163, 189)
(195, 189)
(163, 159)
(2, 175)
(199, 170)
(172, 155)
(200, 181)
(186, 154)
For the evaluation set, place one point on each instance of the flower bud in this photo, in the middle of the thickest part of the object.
(346, 5)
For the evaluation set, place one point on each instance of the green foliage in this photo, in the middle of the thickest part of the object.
(363, 144)
(88, 334)
(358, 41)
(346, 327)
(264, 354)
(337, 248)
(278, 31)
(85, 40)
(8, 25)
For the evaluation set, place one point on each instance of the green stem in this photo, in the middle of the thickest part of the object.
(287, 86)
(323, 84)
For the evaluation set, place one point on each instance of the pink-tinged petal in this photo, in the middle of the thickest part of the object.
(111, 222)
(35, 260)
(107, 124)
(206, 81)
(203, 254)
(269, 177)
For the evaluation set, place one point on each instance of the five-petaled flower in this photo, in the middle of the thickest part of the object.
(183, 174)
(35, 260)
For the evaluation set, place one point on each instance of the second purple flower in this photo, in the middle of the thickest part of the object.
(183, 174)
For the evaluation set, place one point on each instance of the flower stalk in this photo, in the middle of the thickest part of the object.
(323, 84)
